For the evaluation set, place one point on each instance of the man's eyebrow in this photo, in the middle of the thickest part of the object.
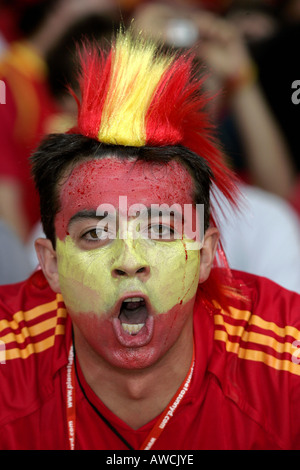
(157, 211)
(86, 214)
(149, 211)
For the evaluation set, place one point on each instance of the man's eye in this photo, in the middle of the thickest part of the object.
(160, 231)
(96, 234)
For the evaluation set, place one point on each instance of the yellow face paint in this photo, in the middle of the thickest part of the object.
(88, 284)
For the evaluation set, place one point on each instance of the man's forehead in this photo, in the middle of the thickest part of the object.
(118, 182)
(129, 166)
(112, 176)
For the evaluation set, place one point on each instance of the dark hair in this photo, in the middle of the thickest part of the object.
(59, 152)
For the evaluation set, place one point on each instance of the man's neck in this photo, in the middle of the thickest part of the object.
(136, 396)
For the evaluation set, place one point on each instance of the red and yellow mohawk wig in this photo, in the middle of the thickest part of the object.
(137, 95)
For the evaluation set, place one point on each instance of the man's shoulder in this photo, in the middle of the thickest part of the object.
(261, 316)
(269, 299)
(32, 331)
(22, 295)
(256, 296)
(259, 281)
(258, 362)
(28, 309)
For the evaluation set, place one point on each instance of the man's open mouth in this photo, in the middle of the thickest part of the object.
(134, 323)
(133, 314)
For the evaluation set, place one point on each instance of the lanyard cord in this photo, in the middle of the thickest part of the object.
(154, 434)
(111, 427)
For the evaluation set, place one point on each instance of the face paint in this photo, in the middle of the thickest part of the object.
(103, 181)
(129, 297)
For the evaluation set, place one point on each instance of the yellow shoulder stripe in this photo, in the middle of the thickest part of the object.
(30, 314)
(32, 348)
(258, 356)
(259, 339)
(49, 325)
(31, 331)
(255, 320)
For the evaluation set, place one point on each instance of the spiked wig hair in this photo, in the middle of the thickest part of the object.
(136, 95)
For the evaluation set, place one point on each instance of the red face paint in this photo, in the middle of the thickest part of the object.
(103, 181)
(168, 327)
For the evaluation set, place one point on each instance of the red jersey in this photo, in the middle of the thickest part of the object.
(244, 393)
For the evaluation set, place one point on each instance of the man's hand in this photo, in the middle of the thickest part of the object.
(221, 47)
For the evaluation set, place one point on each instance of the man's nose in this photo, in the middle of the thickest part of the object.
(130, 263)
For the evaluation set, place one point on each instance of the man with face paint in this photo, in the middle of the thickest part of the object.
(135, 334)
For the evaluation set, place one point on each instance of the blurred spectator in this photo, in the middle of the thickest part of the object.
(289, 11)
(263, 238)
(256, 21)
(10, 13)
(30, 105)
(263, 146)
(23, 120)
(3, 44)
(277, 68)
(217, 43)
(62, 63)
(15, 264)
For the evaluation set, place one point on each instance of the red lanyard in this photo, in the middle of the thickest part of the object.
(157, 428)
(70, 399)
(169, 410)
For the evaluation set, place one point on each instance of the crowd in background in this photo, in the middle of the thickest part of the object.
(247, 50)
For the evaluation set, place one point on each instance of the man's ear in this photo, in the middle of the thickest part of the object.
(207, 252)
(48, 262)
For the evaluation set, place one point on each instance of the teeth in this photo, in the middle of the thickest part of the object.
(134, 299)
(132, 329)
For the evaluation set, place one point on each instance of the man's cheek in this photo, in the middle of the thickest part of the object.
(83, 279)
(175, 274)
(79, 297)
